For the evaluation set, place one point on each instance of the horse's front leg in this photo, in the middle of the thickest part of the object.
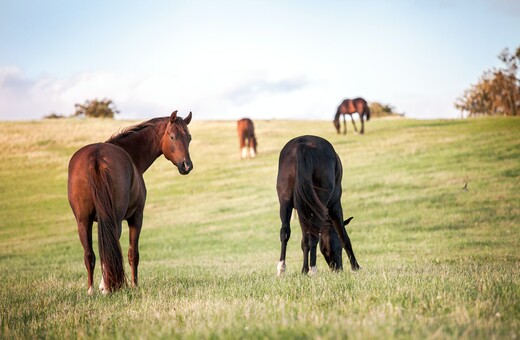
(134, 223)
(345, 124)
(336, 215)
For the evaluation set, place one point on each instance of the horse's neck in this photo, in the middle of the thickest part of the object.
(338, 113)
(144, 146)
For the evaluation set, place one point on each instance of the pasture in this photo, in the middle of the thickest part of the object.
(437, 261)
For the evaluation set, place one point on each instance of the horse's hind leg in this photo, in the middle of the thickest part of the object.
(134, 224)
(242, 145)
(85, 236)
(336, 215)
(285, 233)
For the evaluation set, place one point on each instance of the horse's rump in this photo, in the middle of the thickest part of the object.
(311, 210)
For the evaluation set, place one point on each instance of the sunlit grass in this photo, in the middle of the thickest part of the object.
(437, 261)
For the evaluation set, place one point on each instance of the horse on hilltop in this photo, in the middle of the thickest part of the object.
(349, 107)
(246, 138)
(309, 180)
(106, 185)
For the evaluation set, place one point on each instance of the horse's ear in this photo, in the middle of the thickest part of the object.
(347, 221)
(187, 120)
(173, 116)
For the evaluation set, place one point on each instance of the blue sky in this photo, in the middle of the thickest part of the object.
(261, 59)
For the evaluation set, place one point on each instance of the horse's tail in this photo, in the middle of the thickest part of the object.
(108, 236)
(367, 111)
(311, 210)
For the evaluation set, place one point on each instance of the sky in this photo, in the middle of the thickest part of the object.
(262, 59)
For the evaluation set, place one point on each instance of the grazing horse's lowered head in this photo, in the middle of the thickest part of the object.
(330, 247)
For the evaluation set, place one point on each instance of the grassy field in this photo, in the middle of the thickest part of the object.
(437, 261)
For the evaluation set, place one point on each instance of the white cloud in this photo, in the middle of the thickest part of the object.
(216, 94)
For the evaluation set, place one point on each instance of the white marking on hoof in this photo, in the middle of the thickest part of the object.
(244, 152)
(313, 271)
(294, 215)
(102, 286)
(280, 268)
(252, 152)
(90, 291)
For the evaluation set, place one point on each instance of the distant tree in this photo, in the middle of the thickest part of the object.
(53, 116)
(96, 108)
(382, 110)
(497, 92)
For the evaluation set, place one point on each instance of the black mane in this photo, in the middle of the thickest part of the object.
(134, 128)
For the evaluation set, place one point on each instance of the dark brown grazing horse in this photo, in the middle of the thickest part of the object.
(106, 185)
(246, 138)
(348, 107)
(309, 180)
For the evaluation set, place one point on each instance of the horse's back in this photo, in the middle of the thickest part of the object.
(114, 161)
(246, 128)
(319, 154)
(349, 106)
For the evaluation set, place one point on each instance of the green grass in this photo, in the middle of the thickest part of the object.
(437, 261)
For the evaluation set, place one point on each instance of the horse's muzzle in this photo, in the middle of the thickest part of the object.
(185, 167)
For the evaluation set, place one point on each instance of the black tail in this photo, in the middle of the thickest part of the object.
(311, 210)
(108, 238)
(367, 112)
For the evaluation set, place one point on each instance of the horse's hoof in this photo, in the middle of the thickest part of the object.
(313, 271)
(90, 291)
(102, 287)
(280, 268)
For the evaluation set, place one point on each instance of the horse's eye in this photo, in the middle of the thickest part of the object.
(172, 137)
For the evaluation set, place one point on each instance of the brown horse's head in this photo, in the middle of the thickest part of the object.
(176, 141)
(336, 124)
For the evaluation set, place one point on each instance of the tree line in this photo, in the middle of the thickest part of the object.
(95, 108)
(497, 93)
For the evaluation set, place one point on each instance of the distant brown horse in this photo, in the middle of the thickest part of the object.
(246, 138)
(348, 107)
(309, 180)
(106, 185)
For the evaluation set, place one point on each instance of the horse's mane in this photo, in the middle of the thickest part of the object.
(134, 129)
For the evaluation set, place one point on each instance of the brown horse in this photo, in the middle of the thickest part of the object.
(348, 107)
(309, 180)
(106, 185)
(246, 138)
